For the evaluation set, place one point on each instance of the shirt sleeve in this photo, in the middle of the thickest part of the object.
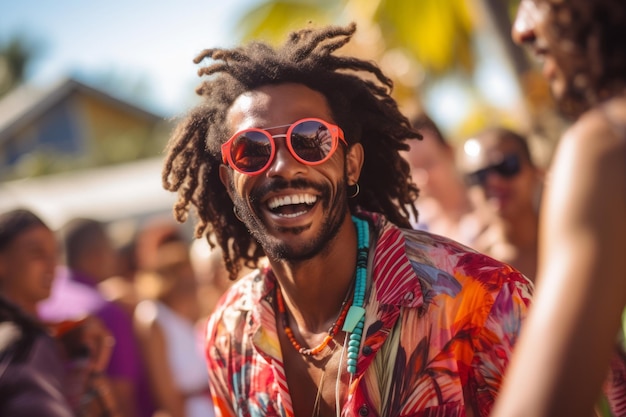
(34, 387)
(217, 350)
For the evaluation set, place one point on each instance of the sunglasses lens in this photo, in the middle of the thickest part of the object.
(311, 140)
(250, 151)
(477, 178)
(509, 167)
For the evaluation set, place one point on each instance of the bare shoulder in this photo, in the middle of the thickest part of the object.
(594, 148)
(603, 127)
(587, 181)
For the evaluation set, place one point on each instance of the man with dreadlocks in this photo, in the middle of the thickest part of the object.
(567, 351)
(294, 156)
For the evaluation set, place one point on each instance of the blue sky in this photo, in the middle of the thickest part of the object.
(156, 40)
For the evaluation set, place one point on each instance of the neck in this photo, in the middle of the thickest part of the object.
(314, 289)
(454, 203)
(522, 232)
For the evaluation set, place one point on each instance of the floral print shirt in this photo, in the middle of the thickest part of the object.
(444, 317)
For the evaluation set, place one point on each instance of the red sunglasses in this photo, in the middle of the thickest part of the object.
(311, 141)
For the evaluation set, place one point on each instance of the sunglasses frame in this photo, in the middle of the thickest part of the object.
(335, 132)
(479, 177)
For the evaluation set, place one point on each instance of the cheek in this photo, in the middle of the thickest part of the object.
(335, 168)
(22, 275)
(528, 185)
(241, 185)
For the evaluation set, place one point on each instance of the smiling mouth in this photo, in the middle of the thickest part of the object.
(292, 205)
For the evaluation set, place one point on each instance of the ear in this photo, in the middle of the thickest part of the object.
(354, 163)
(225, 177)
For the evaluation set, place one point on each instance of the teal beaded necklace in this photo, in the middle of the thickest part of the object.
(355, 320)
(354, 317)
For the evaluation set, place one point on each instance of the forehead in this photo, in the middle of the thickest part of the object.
(275, 105)
(425, 150)
(33, 236)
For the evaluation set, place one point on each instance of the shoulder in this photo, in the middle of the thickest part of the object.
(598, 134)
(146, 313)
(589, 168)
(436, 258)
(240, 300)
(41, 375)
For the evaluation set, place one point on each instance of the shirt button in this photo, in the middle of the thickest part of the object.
(367, 350)
(408, 297)
(363, 411)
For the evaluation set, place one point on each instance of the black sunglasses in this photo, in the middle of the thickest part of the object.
(509, 167)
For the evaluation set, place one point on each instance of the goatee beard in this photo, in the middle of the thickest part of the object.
(335, 210)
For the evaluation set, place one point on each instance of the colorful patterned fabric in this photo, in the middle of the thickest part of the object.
(456, 315)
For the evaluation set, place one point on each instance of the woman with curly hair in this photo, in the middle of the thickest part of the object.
(567, 348)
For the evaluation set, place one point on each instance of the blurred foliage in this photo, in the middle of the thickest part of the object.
(436, 33)
(418, 42)
(16, 55)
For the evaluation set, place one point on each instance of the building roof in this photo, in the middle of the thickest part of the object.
(27, 102)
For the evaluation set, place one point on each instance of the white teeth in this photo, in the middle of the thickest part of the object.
(291, 199)
(293, 214)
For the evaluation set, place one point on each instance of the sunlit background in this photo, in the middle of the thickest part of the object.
(130, 65)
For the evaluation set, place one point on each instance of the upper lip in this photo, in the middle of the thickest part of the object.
(539, 48)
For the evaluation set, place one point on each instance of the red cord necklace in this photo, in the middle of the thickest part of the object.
(345, 306)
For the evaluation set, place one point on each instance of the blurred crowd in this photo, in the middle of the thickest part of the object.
(129, 315)
(483, 191)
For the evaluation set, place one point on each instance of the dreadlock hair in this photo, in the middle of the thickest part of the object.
(591, 50)
(359, 96)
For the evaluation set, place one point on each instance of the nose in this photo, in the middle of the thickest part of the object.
(284, 164)
(523, 30)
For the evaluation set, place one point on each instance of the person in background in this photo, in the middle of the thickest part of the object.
(211, 273)
(89, 259)
(505, 186)
(121, 288)
(570, 345)
(168, 327)
(45, 370)
(293, 156)
(137, 253)
(444, 206)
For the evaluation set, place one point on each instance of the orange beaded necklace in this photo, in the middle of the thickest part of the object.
(345, 306)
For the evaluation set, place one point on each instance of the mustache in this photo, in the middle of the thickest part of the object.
(279, 184)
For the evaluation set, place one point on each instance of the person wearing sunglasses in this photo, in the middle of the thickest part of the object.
(444, 205)
(293, 158)
(571, 355)
(505, 185)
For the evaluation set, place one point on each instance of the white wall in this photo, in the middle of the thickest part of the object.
(108, 194)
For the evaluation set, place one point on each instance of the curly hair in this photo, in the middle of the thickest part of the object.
(591, 49)
(359, 96)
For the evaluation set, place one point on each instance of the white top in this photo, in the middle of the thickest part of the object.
(184, 351)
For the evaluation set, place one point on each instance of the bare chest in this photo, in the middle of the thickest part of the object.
(317, 384)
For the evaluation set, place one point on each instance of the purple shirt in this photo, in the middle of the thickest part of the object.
(75, 295)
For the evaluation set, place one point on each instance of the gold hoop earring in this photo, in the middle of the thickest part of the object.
(355, 189)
